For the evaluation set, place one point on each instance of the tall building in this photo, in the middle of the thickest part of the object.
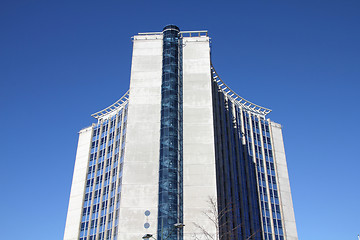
(180, 148)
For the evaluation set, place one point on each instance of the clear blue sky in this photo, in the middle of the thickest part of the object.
(61, 61)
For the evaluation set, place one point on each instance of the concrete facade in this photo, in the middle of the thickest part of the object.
(284, 183)
(140, 190)
(198, 130)
(141, 165)
(72, 226)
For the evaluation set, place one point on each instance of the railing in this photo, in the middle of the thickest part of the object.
(150, 33)
(236, 98)
(201, 33)
(113, 107)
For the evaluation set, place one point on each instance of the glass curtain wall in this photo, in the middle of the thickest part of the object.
(259, 146)
(246, 175)
(170, 172)
(103, 187)
(238, 208)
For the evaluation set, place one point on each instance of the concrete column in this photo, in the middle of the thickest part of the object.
(73, 219)
(288, 215)
(141, 163)
(198, 136)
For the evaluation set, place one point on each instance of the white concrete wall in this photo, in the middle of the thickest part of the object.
(283, 183)
(141, 162)
(73, 219)
(198, 136)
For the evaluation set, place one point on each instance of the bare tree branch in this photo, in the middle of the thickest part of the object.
(218, 218)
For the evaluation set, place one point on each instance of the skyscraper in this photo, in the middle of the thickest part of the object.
(180, 148)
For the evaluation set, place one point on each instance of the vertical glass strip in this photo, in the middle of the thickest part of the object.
(170, 165)
(239, 213)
